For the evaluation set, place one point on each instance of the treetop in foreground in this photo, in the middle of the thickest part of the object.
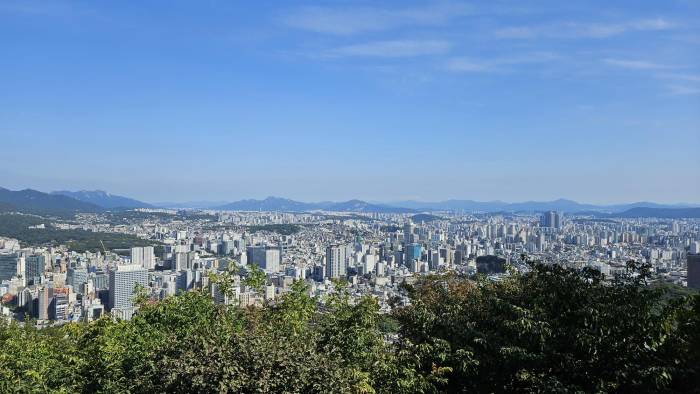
(551, 329)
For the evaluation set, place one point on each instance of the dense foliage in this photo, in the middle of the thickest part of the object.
(552, 329)
(18, 226)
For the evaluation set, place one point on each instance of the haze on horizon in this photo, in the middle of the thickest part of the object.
(381, 101)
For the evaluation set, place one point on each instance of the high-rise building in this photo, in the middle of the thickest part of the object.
(693, 270)
(695, 247)
(185, 280)
(34, 268)
(413, 252)
(408, 229)
(551, 219)
(226, 247)
(144, 257)
(266, 257)
(58, 307)
(122, 281)
(8, 265)
(44, 303)
(100, 280)
(336, 261)
(76, 277)
(179, 261)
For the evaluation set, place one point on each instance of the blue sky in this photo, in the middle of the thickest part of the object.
(596, 101)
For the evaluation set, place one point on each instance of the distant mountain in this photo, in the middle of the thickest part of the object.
(268, 204)
(284, 204)
(103, 199)
(363, 206)
(452, 205)
(33, 201)
(665, 213)
(68, 202)
(562, 205)
(190, 204)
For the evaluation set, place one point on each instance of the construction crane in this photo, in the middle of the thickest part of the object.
(103, 247)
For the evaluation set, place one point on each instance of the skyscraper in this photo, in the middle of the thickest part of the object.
(44, 302)
(34, 268)
(144, 257)
(76, 277)
(408, 228)
(693, 260)
(8, 265)
(266, 257)
(122, 281)
(179, 261)
(413, 252)
(551, 219)
(336, 261)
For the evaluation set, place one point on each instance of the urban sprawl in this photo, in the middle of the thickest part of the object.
(362, 253)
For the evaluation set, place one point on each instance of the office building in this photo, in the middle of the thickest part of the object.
(44, 303)
(551, 219)
(408, 229)
(122, 282)
(413, 252)
(179, 261)
(8, 265)
(266, 257)
(76, 277)
(34, 268)
(185, 280)
(693, 261)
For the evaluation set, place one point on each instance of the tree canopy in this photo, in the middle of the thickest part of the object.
(552, 329)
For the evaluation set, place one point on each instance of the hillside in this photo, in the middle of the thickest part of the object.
(362, 206)
(284, 204)
(32, 201)
(18, 226)
(103, 199)
(664, 213)
(561, 205)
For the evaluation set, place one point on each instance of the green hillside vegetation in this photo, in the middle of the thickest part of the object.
(552, 329)
(424, 217)
(17, 226)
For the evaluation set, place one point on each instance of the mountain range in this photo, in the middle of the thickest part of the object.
(32, 201)
(284, 204)
(68, 202)
(103, 199)
(562, 205)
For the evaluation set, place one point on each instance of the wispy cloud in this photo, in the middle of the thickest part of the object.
(682, 90)
(394, 48)
(637, 64)
(682, 77)
(584, 30)
(467, 64)
(354, 20)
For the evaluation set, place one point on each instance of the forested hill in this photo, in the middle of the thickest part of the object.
(552, 329)
(32, 201)
(667, 213)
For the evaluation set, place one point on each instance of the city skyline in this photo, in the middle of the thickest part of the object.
(349, 196)
(380, 101)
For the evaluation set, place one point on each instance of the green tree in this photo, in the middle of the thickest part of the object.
(550, 329)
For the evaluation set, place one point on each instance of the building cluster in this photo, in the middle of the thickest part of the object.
(366, 254)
